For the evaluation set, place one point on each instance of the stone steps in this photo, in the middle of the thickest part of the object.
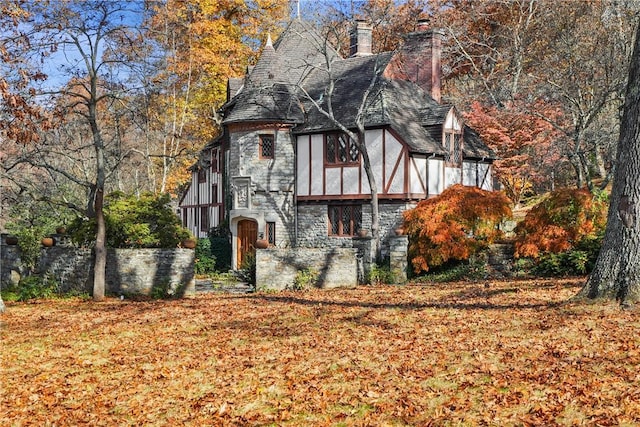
(500, 257)
(209, 286)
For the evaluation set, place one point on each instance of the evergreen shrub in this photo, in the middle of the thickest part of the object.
(147, 221)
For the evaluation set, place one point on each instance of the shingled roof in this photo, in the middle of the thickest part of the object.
(299, 67)
(270, 89)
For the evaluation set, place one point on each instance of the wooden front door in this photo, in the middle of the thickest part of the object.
(247, 236)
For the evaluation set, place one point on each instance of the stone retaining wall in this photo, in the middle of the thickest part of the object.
(129, 271)
(276, 269)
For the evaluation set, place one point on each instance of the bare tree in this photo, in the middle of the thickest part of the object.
(98, 41)
(324, 106)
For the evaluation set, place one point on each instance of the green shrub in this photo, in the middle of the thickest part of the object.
(30, 222)
(305, 279)
(205, 262)
(381, 274)
(30, 243)
(147, 221)
(453, 271)
(569, 263)
(247, 271)
(221, 247)
(36, 287)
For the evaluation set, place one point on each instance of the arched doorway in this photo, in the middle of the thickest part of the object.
(247, 236)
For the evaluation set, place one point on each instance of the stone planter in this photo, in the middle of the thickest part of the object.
(363, 233)
(47, 242)
(61, 230)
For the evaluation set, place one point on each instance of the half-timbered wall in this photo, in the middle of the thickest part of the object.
(201, 207)
(477, 174)
(397, 174)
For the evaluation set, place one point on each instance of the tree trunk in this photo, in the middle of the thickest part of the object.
(100, 263)
(616, 271)
(599, 160)
(574, 160)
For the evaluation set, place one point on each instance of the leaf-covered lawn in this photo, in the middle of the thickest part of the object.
(513, 353)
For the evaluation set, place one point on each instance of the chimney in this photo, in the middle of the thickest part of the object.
(423, 24)
(419, 59)
(360, 39)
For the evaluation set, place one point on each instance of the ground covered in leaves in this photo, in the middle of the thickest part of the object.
(502, 353)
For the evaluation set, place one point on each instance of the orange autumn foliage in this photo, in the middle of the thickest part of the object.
(417, 355)
(564, 219)
(454, 225)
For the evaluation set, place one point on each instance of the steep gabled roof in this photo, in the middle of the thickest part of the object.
(270, 88)
(474, 147)
(298, 69)
(394, 103)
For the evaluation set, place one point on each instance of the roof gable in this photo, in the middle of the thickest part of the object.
(294, 75)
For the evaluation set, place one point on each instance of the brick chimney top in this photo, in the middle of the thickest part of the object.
(423, 24)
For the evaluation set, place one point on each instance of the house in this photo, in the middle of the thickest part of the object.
(285, 172)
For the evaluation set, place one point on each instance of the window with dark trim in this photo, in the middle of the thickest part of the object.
(270, 232)
(345, 220)
(204, 218)
(202, 175)
(453, 146)
(215, 166)
(267, 146)
(340, 149)
(214, 193)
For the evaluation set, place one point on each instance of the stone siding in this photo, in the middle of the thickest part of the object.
(272, 180)
(313, 225)
(276, 269)
(129, 271)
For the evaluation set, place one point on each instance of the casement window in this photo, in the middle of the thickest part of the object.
(340, 149)
(204, 218)
(215, 165)
(267, 146)
(202, 175)
(345, 220)
(270, 232)
(453, 147)
(214, 193)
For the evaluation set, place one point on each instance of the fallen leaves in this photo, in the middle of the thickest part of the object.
(513, 354)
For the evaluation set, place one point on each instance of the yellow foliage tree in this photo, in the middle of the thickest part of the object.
(203, 43)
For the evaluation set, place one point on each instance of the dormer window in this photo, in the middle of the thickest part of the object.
(453, 147)
(340, 149)
(452, 139)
